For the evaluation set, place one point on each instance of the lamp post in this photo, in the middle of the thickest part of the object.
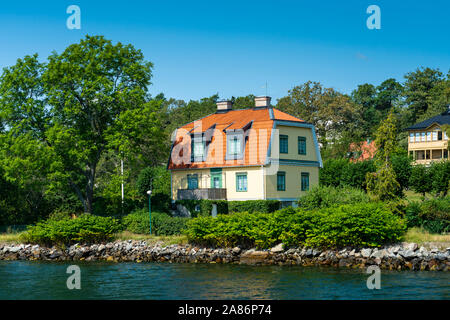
(149, 192)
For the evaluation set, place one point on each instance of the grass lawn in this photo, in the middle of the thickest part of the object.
(150, 239)
(419, 235)
(413, 196)
(10, 237)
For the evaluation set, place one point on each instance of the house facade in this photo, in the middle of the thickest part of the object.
(250, 154)
(427, 142)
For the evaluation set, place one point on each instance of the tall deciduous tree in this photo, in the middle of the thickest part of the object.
(334, 114)
(63, 115)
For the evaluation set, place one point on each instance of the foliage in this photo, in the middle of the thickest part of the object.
(204, 207)
(328, 196)
(342, 172)
(162, 224)
(432, 215)
(382, 184)
(440, 177)
(421, 179)
(61, 116)
(367, 224)
(331, 112)
(85, 229)
(401, 164)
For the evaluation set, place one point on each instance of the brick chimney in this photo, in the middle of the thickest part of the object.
(262, 102)
(224, 106)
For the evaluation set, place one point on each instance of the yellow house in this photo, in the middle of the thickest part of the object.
(250, 154)
(427, 141)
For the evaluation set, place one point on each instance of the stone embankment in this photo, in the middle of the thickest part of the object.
(406, 256)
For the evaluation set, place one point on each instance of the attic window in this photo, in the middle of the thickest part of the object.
(234, 145)
(198, 149)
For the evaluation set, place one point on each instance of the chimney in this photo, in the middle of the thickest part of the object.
(262, 102)
(224, 106)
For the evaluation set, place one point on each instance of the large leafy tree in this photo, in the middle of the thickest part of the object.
(63, 115)
(424, 88)
(334, 114)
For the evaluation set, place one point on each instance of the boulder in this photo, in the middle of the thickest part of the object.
(277, 248)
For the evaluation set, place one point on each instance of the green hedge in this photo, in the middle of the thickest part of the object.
(84, 229)
(162, 223)
(225, 207)
(328, 196)
(432, 215)
(366, 224)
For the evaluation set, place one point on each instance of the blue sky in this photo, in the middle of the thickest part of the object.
(233, 48)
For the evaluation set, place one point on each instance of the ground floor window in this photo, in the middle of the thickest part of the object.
(241, 182)
(192, 181)
(281, 181)
(305, 181)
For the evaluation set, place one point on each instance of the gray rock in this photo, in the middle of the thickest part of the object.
(277, 248)
(366, 252)
(411, 246)
(236, 250)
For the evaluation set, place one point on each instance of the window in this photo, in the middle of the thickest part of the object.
(417, 136)
(435, 136)
(234, 146)
(439, 133)
(411, 137)
(445, 154)
(192, 181)
(241, 182)
(301, 145)
(283, 144)
(198, 147)
(305, 181)
(281, 181)
(429, 136)
(423, 136)
(445, 136)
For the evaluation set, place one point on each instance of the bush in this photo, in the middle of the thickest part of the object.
(324, 197)
(264, 206)
(440, 175)
(225, 207)
(85, 229)
(342, 172)
(366, 224)
(420, 179)
(162, 223)
(432, 215)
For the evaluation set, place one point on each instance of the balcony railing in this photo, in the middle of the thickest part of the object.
(203, 193)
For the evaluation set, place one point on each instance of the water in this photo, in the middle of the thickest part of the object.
(42, 280)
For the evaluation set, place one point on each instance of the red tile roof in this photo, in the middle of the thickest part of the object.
(257, 124)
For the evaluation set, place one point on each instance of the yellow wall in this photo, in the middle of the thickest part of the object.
(293, 133)
(254, 182)
(293, 181)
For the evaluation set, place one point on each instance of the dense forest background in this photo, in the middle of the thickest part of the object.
(68, 122)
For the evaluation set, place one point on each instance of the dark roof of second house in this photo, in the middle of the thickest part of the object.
(443, 118)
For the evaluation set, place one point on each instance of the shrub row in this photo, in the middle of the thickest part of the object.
(86, 228)
(366, 224)
(204, 207)
(162, 224)
(432, 215)
(328, 196)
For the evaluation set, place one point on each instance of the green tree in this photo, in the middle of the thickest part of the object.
(66, 113)
(333, 114)
(419, 87)
(421, 179)
(383, 184)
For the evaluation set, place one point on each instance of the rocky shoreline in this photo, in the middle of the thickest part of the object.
(405, 256)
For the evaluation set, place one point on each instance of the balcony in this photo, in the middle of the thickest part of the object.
(203, 193)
